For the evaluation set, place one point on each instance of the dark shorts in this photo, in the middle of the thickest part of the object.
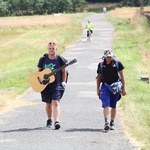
(108, 98)
(89, 31)
(47, 97)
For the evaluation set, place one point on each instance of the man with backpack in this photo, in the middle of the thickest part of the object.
(53, 92)
(110, 86)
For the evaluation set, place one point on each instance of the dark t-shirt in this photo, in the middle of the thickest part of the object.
(110, 71)
(53, 64)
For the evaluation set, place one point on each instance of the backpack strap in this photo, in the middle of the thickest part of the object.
(101, 66)
(43, 57)
(62, 59)
(117, 64)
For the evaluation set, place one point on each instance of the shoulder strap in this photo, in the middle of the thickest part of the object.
(62, 59)
(117, 64)
(101, 66)
(43, 57)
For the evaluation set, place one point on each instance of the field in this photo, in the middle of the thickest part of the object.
(24, 39)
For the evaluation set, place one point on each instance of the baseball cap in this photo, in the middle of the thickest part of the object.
(108, 53)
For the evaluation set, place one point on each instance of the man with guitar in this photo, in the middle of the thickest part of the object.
(55, 87)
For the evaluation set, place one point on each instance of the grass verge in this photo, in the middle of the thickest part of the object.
(132, 47)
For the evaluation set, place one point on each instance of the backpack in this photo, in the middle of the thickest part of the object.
(62, 59)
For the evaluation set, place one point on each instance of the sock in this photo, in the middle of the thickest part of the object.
(112, 121)
(106, 120)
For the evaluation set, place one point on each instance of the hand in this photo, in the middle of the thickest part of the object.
(98, 92)
(124, 92)
(64, 84)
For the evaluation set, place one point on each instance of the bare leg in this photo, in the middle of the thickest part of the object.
(49, 110)
(106, 112)
(113, 113)
(56, 110)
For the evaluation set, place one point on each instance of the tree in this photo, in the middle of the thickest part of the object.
(78, 5)
(4, 8)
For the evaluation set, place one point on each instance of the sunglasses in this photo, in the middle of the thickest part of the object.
(52, 43)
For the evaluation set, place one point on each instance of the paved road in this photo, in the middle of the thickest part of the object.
(81, 113)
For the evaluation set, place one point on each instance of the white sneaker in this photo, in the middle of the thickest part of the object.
(112, 127)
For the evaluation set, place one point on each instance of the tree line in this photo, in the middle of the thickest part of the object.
(135, 3)
(39, 7)
(42, 7)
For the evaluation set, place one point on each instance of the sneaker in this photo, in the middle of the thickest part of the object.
(106, 126)
(57, 125)
(49, 123)
(112, 127)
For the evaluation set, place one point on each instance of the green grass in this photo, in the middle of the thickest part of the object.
(129, 46)
(22, 47)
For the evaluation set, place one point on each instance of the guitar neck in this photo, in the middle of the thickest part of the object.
(57, 70)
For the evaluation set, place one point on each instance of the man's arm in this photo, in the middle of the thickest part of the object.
(64, 75)
(123, 82)
(39, 69)
(98, 81)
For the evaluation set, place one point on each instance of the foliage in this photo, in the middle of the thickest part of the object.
(39, 7)
(105, 1)
(136, 3)
(4, 8)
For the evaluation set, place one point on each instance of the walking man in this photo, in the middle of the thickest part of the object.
(110, 86)
(52, 94)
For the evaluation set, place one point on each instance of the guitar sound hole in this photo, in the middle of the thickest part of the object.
(44, 82)
(46, 76)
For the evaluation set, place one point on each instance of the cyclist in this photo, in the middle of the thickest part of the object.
(89, 27)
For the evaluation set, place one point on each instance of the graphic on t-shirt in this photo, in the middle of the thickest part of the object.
(51, 66)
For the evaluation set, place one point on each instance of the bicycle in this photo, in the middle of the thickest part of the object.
(89, 35)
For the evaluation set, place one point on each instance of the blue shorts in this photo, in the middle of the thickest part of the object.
(47, 97)
(107, 97)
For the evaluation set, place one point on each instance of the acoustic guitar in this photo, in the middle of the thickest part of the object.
(39, 80)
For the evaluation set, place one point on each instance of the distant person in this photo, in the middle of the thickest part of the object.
(53, 92)
(110, 85)
(104, 10)
(89, 27)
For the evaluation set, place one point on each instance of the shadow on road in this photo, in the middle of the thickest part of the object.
(85, 130)
(26, 129)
